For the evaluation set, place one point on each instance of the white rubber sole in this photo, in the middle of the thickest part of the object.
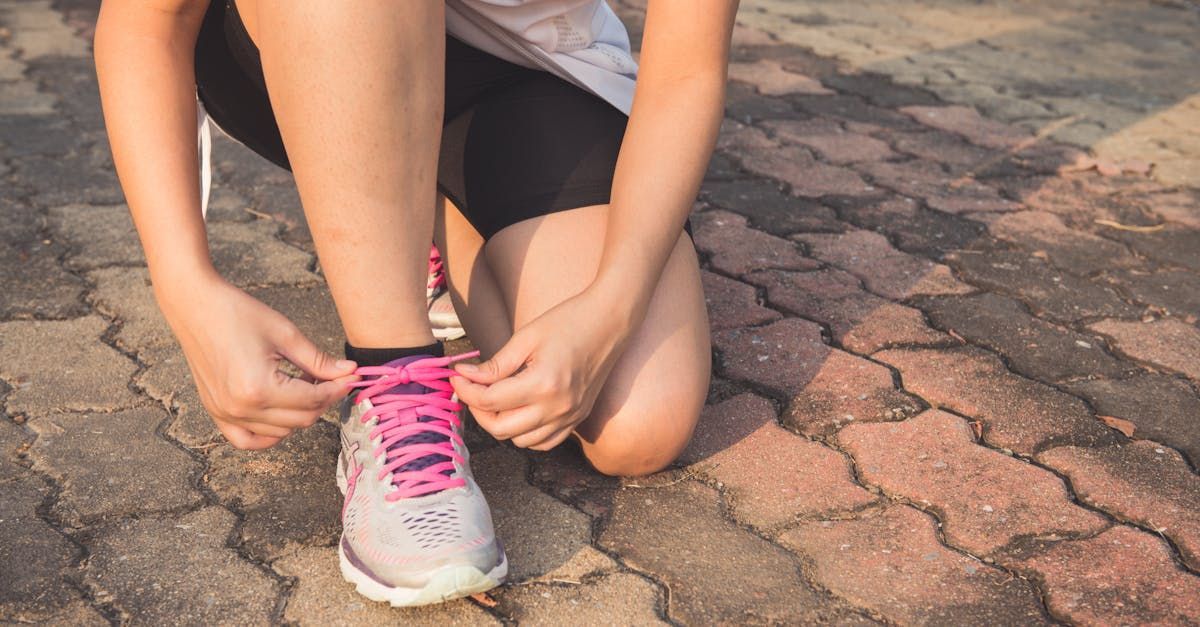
(445, 584)
(449, 333)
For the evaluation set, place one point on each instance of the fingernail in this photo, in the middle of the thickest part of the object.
(344, 363)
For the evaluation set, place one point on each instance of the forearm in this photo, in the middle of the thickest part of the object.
(663, 159)
(144, 63)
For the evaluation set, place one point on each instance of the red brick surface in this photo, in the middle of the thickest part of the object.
(1169, 344)
(984, 498)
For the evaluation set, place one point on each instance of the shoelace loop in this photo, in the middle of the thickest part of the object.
(437, 276)
(415, 430)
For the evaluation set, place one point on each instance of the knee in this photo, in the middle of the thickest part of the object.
(639, 446)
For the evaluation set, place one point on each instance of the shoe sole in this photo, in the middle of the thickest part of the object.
(449, 333)
(445, 584)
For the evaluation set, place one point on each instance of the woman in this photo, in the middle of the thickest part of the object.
(507, 130)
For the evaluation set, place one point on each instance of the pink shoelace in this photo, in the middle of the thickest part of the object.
(416, 429)
(437, 277)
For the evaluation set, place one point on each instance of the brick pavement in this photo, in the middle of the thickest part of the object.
(951, 257)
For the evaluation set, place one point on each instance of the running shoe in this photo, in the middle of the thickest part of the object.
(415, 527)
(442, 317)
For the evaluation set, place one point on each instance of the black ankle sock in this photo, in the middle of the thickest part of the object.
(380, 356)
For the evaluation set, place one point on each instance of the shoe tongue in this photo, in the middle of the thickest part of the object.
(426, 437)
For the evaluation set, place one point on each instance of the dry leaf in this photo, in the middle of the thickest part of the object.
(954, 334)
(484, 599)
(1130, 227)
(977, 427)
(1120, 424)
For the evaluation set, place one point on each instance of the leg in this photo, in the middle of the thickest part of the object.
(362, 138)
(652, 400)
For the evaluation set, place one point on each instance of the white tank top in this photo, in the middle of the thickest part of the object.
(582, 41)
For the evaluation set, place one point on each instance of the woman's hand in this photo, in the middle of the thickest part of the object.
(541, 384)
(234, 345)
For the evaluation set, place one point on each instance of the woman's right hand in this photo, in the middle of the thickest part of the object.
(234, 345)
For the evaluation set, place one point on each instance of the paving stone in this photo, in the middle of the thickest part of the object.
(967, 122)
(22, 98)
(1035, 348)
(38, 31)
(322, 597)
(853, 109)
(892, 563)
(769, 78)
(913, 228)
(944, 148)
(1161, 408)
(833, 145)
(1016, 413)
(169, 381)
(72, 81)
(736, 138)
(14, 440)
(85, 176)
(1121, 576)
(744, 103)
(1166, 343)
(703, 548)
(805, 176)
(100, 235)
(102, 460)
(286, 494)
(1180, 206)
(1172, 291)
(539, 533)
(24, 135)
(880, 90)
(732, 304)
(62, 366)
(614, 599)
(1050, 292)
(828, 387)
(178, 570)
(939, 189)
(1176, 245)
(883, 269)
(1141, 481)
(125, 294)
(984, 498)
(734, 248)
(771, 210)
(770, 475)
(1070, 250)
(311, 309)
(33, 283)
(859, 321)
(33, 556)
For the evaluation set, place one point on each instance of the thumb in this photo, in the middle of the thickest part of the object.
(502, 365)
(313, 361)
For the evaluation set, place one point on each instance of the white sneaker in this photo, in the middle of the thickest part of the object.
(415, 527)
(442, 316)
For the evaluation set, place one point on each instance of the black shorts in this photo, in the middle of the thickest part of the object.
(517, 143)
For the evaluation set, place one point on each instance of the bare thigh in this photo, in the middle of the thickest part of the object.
(649, 406)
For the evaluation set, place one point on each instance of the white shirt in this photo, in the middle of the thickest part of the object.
(582, 41)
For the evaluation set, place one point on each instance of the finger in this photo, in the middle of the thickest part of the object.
(503, 364)
(242, 438)
(537, 435)
(276, 418)
(486, 420)
(554, 440)
(299, 350)
(296, 393)
(518, 423)
(507, 394)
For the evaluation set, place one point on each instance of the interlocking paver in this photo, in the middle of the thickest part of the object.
(1034, 347)
(828, 387)
(892, 563)
(1141, 481)
(1056, 294)
(883, 269)
(613, 599)
(1072, 251)
(54, 365)
(162, 571)
(769, 77)
(770, 209)
(835, 145)
(322, 597)
(33, 556)
(770, 476)
(702, 548)
(734, 248)
(968, 123)
(1166, 343)
(1160, 407)
(1121, 576)
(1175, 292)
(860, 321)
(733, 304)
(1015, 413)
(938, 188)
(286, 495)
(913, 228)
(986, 499)
(90, 455)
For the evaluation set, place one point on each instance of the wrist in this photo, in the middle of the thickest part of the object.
(621, 300)
(179, 286)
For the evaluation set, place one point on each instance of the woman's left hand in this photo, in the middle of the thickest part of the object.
(540, 385)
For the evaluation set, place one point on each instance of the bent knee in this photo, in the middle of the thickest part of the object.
(625, 449)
